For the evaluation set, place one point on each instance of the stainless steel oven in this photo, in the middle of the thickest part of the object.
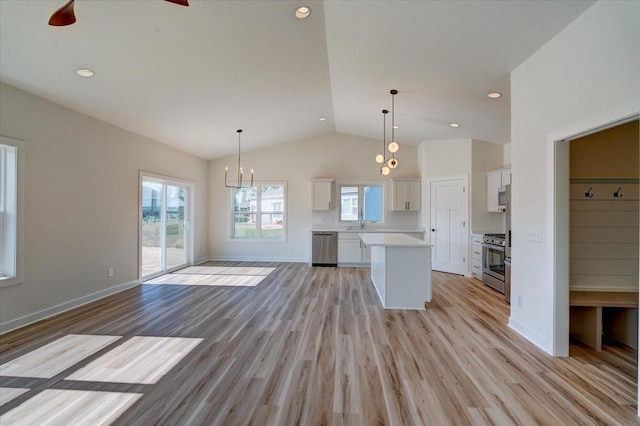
(493, 268)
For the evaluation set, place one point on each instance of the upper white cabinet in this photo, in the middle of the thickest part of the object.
(322, 195)
(506, 177)
(495, 180)
(405, 195)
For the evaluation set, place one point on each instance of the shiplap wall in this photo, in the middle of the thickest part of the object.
(604, 235)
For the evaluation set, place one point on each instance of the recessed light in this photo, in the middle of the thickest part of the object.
(454, 125)
(322, 119)
(494, 95)
(84, 72)
(395, 126)
(303, 12)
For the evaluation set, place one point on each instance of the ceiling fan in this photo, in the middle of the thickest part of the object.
(65, 16)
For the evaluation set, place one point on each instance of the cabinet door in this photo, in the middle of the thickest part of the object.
(494, 182)
(366, 253)
(506, 177)
(413, 196)
(321, 195)
(349, 251)
(405, 195)
(398, 196)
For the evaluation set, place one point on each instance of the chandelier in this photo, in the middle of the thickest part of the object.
(386, 164)
(240, 171)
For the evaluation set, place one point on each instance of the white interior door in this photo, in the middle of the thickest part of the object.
(449, 225)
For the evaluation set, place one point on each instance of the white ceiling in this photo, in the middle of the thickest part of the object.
(190, 76)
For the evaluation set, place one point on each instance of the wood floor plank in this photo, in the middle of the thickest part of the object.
(311, 345)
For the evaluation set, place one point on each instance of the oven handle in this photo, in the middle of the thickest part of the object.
(493, 246)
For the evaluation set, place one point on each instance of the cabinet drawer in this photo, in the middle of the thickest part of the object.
(476, 240)
(476, 271)
(476, 252)
(476, 264)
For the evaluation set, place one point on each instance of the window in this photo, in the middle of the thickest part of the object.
(259, 212)
(10, 220)
(361, 199)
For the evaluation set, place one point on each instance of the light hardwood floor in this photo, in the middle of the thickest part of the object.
(313, 346)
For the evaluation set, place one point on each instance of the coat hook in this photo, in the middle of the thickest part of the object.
(617, 194)
(588, 194)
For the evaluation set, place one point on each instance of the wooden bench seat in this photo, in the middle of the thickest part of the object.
(586, 313)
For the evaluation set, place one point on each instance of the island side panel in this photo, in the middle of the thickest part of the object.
(379, 272)
(408, 281)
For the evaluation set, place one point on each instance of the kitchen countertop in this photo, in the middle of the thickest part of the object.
(391, 240)
(370, 230)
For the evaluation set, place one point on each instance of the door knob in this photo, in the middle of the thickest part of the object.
(433, 229)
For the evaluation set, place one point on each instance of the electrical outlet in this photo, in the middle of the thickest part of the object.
(110, 272)
(520, 301)
(534, 235)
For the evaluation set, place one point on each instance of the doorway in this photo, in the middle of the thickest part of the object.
(449, 230)
(165, 236)
(559, 186)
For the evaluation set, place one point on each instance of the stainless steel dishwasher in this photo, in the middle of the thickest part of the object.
(324, 248)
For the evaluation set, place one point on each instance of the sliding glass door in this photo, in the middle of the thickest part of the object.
(163, 225)
(175, 235)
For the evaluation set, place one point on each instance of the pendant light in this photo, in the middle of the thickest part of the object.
(386, 164)
(382, 158)
(393, 146)
(240, 171)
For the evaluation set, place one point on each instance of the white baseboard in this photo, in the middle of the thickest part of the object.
(63, 307)
(259, 259)
(532, 336)
(201, 261)
(618, 289)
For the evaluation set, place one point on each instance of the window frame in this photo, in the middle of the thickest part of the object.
(15, 245)
(361, 187)
(258, 213)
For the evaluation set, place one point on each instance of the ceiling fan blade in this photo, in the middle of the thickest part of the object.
(180, 2)
(63, 16)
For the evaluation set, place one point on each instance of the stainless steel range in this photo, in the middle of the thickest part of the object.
(493, 268)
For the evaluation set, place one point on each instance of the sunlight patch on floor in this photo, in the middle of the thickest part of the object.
(7, 394)
(55, 357)
(227, 270)
(141, 359)
(209, 280)
(70, 407)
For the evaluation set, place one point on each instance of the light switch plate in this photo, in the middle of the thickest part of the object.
(534, 235)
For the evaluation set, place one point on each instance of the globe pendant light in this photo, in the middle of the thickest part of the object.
(393, 146)
(240, 171)
(382, 158)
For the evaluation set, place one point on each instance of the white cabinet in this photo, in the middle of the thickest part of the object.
(405, 195)
(506, 177)
(350, 249)
(476, 256)
(322, 195)
(495, 180)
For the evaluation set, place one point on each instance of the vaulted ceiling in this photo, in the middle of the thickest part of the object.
(190, 76)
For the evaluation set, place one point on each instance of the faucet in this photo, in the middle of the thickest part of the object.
(361, 218)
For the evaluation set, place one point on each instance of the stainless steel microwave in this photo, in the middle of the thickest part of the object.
(502, 198)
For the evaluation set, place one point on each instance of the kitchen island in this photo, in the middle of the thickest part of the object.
(400, 269)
